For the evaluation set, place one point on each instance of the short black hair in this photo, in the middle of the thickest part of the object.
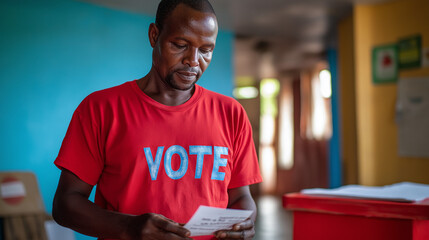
(165, 8)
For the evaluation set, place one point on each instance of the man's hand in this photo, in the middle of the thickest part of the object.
(240, 198)
(155, 226)
(243, 230)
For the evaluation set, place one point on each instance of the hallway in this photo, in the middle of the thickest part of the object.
(273, 222)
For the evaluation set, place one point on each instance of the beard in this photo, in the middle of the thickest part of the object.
(175, 84)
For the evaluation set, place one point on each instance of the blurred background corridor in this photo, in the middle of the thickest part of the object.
(322, 103)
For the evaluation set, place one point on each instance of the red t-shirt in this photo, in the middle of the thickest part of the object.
(148, 157)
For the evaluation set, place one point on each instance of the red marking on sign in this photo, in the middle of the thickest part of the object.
(12, 200)
(387, 60)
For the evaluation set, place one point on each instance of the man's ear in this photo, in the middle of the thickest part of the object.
(153, 34)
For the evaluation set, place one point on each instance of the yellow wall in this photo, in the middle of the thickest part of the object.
(380, 24)
(348, 101)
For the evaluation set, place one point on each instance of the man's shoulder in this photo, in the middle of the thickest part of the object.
(224, 104)
(214, 96)
(106, 98)
(111, 93)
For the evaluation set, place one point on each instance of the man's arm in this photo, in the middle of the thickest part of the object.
(240, 198)
(72, 209)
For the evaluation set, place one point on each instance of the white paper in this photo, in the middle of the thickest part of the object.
(12, 189)
(412, 117)
(207, 220)
(57, 232)
(403, 192)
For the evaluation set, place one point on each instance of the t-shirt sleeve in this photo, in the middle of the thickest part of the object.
(245, 163)
(81, 150)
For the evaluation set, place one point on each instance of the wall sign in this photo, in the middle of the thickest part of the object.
(409, 52)
(385, 64)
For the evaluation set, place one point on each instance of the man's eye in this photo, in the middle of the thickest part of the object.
(179, 46)
(205, 51)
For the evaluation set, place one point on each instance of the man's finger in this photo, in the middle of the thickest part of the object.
(247, 224)
(169, 225)
(230, 234)
(246, 234)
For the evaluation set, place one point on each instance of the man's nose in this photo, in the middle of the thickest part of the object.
(191, 58)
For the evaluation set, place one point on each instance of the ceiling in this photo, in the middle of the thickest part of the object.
(285, 34)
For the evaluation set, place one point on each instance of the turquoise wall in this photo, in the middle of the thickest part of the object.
(55, 52)
(335, 166)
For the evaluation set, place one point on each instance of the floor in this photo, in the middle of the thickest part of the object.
(273, 222)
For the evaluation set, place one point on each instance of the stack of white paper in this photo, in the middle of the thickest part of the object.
(402, 192)
(57, 232)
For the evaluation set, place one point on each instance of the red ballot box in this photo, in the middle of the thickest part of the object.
(335, 218)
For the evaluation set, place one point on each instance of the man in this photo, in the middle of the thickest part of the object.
(159, 147)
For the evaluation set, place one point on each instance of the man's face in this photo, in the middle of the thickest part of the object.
(184, 47)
